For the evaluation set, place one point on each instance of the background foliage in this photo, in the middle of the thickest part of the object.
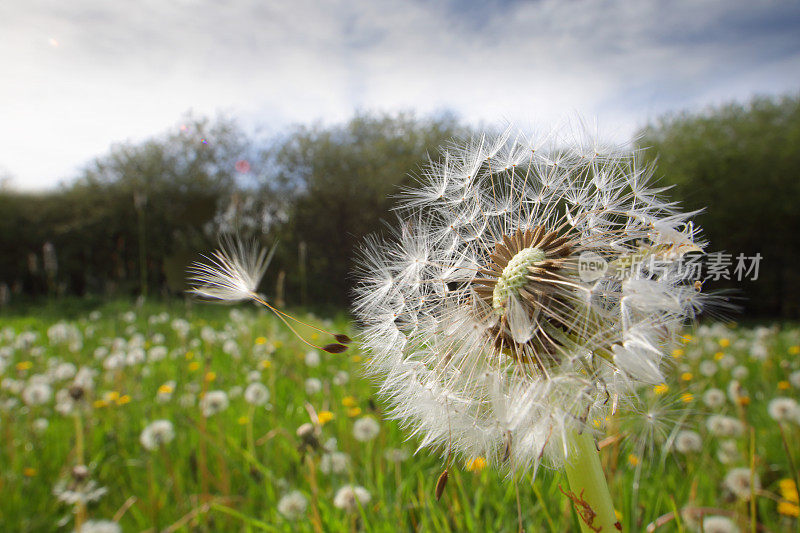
(136, 216)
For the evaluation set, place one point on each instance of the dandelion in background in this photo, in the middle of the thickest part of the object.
(719, 524)
(99, 526)
(233, 273)
(157, 434)
(738, 482)
(366, 429)
(784, 410)
(528, 291)
(213, 402)
(350, 497)
(688, 441)
(293, 505)
(256, 394)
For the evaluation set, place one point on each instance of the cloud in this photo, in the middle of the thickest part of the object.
(125, 70)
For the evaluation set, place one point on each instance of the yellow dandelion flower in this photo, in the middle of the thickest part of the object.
(788, 509)
(261, 340)
(210, 376)
(663, 388)
(266, 363)
(686, 339)
(783, 385)
(677, 353)
(349, 401)
(353, 412)
(242, 420)
(29, 472)
(194, 366)
(122, 400)
(794, 350)
(165, 389)
(788, 490)
(112, 396)
(687, 376)
(24, 365)
(687, 397)
(743, 400)
(477, 465)
(719, 355)
(725, 342)
(97, 404)
(324, 417)
(633, 460)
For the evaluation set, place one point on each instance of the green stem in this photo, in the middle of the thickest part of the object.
(589, 491)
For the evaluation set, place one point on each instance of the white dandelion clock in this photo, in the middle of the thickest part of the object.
(256, 394)
(366, 429)
(157, 434)
(213, 402)
(528, 291)
(293, 505)
(742, 483)
(350, 497)
(783, 409)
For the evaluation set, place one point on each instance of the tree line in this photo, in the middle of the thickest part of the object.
(135, 217)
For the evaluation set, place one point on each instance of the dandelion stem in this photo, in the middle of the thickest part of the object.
(588, 487)
(80, 511)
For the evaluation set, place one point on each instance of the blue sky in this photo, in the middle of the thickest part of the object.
(80, 75)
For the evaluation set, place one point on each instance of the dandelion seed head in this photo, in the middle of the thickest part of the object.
(350, 497)
(719, 524)
(293, 505)
(738, 482)
(366, 429)
(490, 335)
(256, 394)
(156, 434)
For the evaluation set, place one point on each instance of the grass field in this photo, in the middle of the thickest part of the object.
(81, 390)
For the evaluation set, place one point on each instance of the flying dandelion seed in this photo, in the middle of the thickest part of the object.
(233, 273)
(528, 291)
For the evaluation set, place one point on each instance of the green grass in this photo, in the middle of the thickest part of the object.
(210, 478)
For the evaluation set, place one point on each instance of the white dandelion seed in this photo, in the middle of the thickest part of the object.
(366, 429)
(293, 505)
(256, 394)
(783, 409)
(37, 393)
(516, 302)
(233, 273)
(714, 398)
(99, 526)
(688, 441)
(156, 434)
(334, 463)
(719, 524)
(350, 497)
(794, 379)
(738, 482)
(313, 386)
(728, 452)
(213, 402)
(724, 426)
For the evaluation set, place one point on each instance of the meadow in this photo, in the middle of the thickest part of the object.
(264, 433)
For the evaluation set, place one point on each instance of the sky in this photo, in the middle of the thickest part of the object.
(80, 75)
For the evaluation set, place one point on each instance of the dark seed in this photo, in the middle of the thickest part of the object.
(342, 338)
(441, 484)
(334, 348)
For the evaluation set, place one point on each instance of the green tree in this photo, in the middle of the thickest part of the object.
(742, 163)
